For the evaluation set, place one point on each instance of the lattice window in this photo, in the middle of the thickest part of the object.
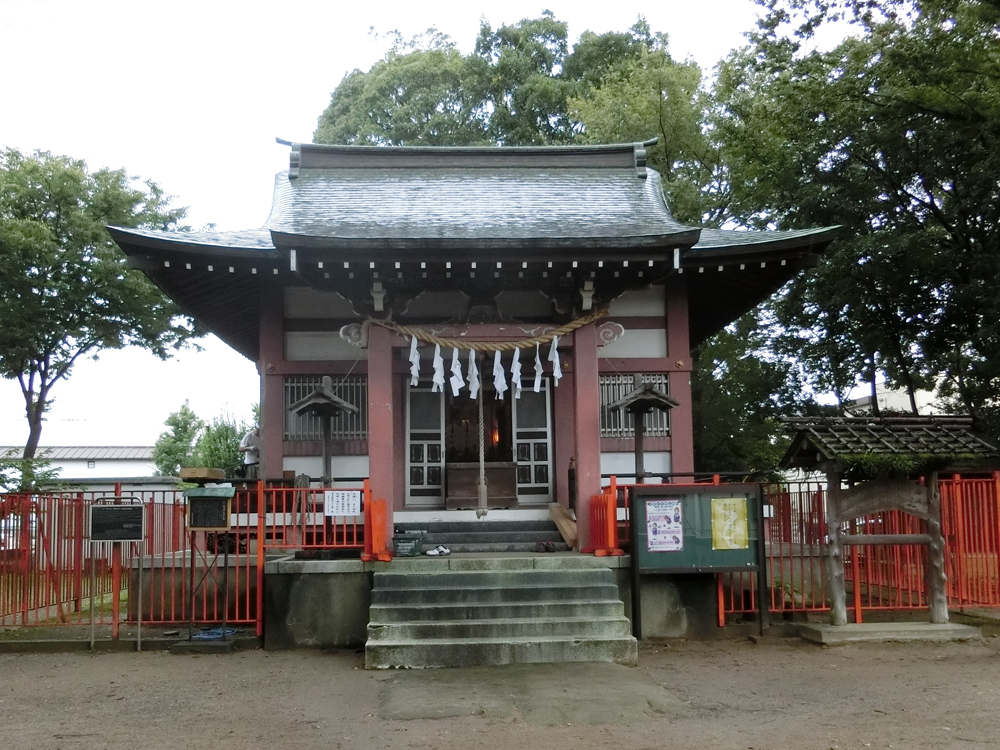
(618, 424)
(353, 389)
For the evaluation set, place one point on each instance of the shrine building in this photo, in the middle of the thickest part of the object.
(558, 269)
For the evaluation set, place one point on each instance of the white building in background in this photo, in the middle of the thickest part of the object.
(892, 400)
(98, 468)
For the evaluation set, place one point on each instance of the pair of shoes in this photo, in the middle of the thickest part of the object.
(548, 546)
(439, 551)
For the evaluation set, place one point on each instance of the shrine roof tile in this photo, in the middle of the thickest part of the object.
(475, 204)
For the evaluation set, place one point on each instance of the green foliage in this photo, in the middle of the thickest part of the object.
(218, 446)
(895, 135)
(431, 97)
(68, 292)
(25, 474)
(192, 442)
(739, 395)
(523, 85)
(866, 466)
(175, 448)
(650, 94)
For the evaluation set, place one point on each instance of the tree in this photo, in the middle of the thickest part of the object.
(67, 291)
(513, 90)
(218, 445)
(894, 134)
(431, 97)
(648, 93)
(739, 392)
(175, 448)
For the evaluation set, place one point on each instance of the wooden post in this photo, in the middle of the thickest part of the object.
(587, 410)
(835, 552)
(639, 417)
(381, 448)
(327, 470)
(937, 580)
(679, 352)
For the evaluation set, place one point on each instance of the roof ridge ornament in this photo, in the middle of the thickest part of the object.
(294, 161)
(639, 157)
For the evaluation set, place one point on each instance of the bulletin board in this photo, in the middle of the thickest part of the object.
(695, 528)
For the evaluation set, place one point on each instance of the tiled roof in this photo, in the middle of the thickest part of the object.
(247, 239)
(89, 453)
(473, 205)
(927, 437)
(730, 240)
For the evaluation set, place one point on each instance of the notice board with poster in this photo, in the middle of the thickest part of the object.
(695, 528)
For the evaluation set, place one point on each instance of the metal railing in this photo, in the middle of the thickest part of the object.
(878, 577)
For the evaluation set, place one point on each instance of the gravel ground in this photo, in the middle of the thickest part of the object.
(719, 695)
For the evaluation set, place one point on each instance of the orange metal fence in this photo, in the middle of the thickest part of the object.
(970, 522)
(882, 577)
(51, 573)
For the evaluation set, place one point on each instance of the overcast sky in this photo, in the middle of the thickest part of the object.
(192, 95)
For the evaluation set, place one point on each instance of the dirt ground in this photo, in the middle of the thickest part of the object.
(719, 695)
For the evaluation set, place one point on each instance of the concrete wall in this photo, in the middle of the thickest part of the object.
(316, 604)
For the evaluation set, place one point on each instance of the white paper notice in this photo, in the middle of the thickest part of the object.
(342, 503)
(664, 526)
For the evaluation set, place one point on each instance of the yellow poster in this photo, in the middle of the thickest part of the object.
(730, 529)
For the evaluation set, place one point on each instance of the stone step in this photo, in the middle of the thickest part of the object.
(493, 547)
(485, 537)
(460, 652)
(512, 610)
(528, 627)
(477, 526)
(522, 577)
(493, 594)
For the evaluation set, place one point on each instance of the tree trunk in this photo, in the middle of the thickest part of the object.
(34, 410)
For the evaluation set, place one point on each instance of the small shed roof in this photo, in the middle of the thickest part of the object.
(842, 438)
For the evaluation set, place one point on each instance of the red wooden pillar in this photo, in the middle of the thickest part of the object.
(679, 354)
(381, 422)
(272, 355)
(587, 408)
(564, 434)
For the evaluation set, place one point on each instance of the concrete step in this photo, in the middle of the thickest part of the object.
(463, 652)
(514, 610)
(529, 627)
(522, 577)
(487, 526)
(497, 547)
(444, 617)
(485, 537)
(492, 594)
(882, 632)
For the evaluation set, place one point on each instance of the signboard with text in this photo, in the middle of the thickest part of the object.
(695, 529)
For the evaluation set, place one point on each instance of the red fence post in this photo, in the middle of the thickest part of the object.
(261, 554)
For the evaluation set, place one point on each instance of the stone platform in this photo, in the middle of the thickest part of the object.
(886, 632)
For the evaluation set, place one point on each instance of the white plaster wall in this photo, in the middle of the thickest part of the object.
(640, 303)
(303, 346)
(304, 302)
(343, 466)
(105, 469)
(624, 463)
(637, 342)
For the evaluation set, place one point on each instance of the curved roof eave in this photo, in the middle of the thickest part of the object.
(719, 243)
(249, 244)
(440, 248)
